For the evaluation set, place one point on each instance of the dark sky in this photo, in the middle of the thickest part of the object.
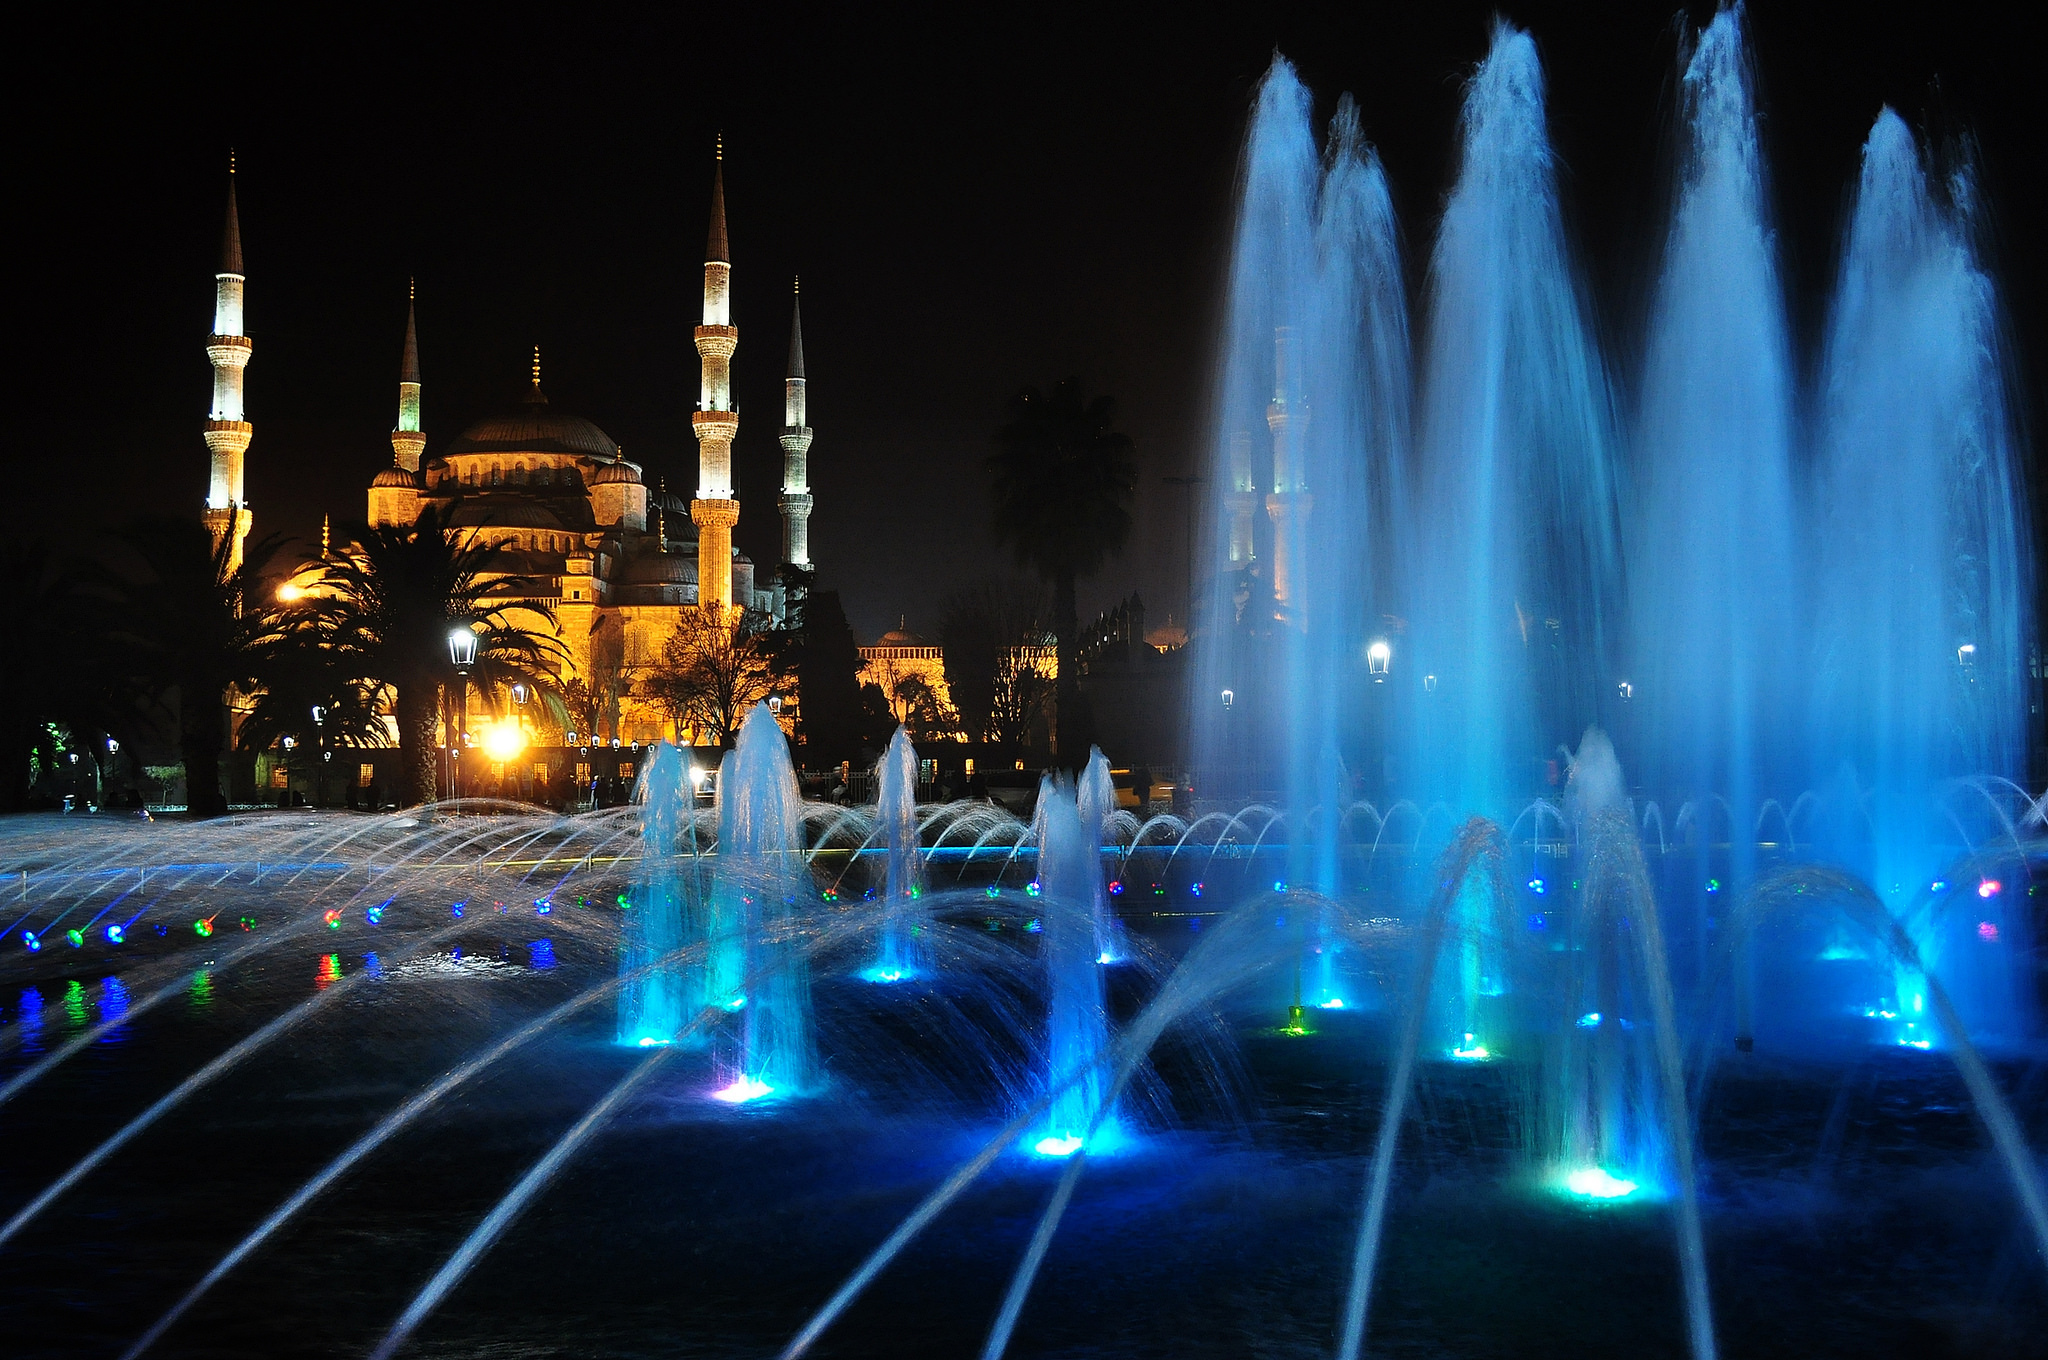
(976, 198)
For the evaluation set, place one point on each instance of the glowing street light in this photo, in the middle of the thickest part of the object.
(1229, 697)
(462, 653)
(1379, 654)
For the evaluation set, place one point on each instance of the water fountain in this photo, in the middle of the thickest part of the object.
(1608, 1035)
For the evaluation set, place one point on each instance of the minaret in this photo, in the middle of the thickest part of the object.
(407, 441)
(716, 510)
(796, 446)
(1243, 497)
(1289, 503)
(227, 433)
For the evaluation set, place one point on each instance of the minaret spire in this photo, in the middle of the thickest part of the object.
(407, 442)
(716, 510)
(796, 444)
(227, 432)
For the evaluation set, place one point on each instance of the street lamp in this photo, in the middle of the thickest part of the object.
(461, 652)
(1377, 658)
(319, 749)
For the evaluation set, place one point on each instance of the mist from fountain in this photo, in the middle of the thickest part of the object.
(1095, 801)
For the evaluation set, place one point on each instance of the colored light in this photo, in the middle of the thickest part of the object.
(332, 916)
(1471, 1051)
(1195, 890)
(993, 891)
(1279, 885)
(542, 953)
(649, 1041)
(1333, 1004)
(77, 937)
(503, 741)
(375, 916)
(202, 927)
(1536, 885)
(1987, 931)
(115, 935)
(544, 907)
(1058, 1146)
(830, 894)
(1033, 888)
(742, 1090)
(1990, 887)
(30, 939)
(1590, 1020)
(880, 974)
(1937, 885)
(456, 909)
(1713, 885)
(1034, 925)
(1538, 921)
(1595, 1183)
(624, 905)
(736, 1004)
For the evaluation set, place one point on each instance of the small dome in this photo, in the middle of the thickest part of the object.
(677, 569)
(396, 476)
(620, 471)
(901, 636)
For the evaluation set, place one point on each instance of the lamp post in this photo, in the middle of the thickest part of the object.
(462, 652)
(319, 756)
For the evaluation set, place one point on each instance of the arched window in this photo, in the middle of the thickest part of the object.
(497, 475)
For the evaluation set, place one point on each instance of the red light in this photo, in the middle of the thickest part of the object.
(1987, 932)
(1990, 887)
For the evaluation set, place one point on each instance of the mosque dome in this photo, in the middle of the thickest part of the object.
(662, 569)
(901, 636)
(620, 471)
(535, 427)
(396, 476)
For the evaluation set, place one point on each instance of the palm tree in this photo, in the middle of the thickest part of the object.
(196, 623)
(54, 653)
(1063, 480)
(385, 605)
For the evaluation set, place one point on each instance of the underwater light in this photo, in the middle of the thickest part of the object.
(1034, 925)
(375, 916)
(1937, 885)
(202, 927)
(1713, 885)
(1033, 887)
(1537, 886)
(29, 939)
(1195, 890)
(332, 916)
(742, 1090)
(1279, 885)
(115, 935)
(1058, 1146)
(1987, 931)
(885, 974)
(1472, 1051)
(1990, 887)
(993, 891)
(1595, 1183)
(1335, 1003)
(1590, 1020)
(649, 1041)
(77, 938)
(1116, 887)
(1916, 1043)
(455, 909)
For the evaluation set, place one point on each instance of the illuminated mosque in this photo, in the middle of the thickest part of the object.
(614, 559)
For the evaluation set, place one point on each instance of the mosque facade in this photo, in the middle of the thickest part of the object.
(581, 532)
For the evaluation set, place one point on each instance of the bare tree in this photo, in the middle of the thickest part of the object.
(593, 697)
(712, 672)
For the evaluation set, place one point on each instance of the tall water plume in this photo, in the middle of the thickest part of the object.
(1095, 799)
(900, 954)
(1077, 1020)
(1311, 420)
(1510, 545)
(653, 1004)
(1712, 570)
(1922, 563)
(758, 968)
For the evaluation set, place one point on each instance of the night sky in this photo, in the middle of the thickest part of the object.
(975, 199)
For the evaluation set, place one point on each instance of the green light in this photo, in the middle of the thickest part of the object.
(202, 927)
(77, 938)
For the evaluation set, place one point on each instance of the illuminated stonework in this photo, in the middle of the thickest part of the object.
(228, 433)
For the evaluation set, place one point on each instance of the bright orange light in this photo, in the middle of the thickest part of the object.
(503, 740)
(289, 592)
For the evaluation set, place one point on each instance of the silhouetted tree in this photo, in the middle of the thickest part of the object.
(978, 630)
(817, 652)
(1062, 482)
(44, 684)
(194, 626)
(713, 670)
